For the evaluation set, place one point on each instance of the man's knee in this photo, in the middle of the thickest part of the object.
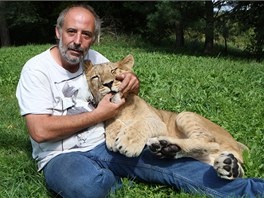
(78, 176)
(96, 187)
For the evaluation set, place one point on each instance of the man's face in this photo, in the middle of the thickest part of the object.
(76, 35)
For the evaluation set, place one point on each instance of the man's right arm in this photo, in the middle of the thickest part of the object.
(43, 127)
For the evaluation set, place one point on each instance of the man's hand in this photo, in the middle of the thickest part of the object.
(130, 83)
(107, 109)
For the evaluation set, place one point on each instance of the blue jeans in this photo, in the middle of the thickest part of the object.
(94, 173)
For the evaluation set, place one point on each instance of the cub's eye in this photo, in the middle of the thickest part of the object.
(94, 77)
(113, 71)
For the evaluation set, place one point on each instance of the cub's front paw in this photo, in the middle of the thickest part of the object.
(162, 148)
(129, 146)
(110, 143)
(228, 167)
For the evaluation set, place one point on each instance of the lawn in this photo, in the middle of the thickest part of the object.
(228, 91)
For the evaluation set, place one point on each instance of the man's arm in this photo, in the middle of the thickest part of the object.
(44, 128)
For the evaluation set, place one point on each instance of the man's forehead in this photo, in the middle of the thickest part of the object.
(78, 9)
(79, 18)
(79, 13)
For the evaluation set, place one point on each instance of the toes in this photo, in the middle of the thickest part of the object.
(228, 161)
(155, 147)
(163, 142)
(170, 150)
(162, 148)
(231, 166)
(227, 166)
(231, 156)
(235, 170)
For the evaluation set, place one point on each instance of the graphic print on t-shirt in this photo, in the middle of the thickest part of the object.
(71, 93)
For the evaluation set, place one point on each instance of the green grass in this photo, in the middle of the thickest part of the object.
(227, 91)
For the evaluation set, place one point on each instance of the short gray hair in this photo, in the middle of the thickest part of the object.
(97, 22)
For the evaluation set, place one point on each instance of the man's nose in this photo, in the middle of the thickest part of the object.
(78, 39)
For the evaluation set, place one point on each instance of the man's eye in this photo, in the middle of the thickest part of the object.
(71, 32)
(88, 35)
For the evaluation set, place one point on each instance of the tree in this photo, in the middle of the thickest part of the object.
(251, 15)
(31, 21)
(4, 33)
(172, 17)
(165, 20)
(209, 28)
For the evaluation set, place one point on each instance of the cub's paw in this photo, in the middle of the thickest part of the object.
(227, 166)
(129, 146)
(110, 143)
(162, 148)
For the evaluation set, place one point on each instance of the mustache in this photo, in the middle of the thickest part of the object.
(76, 48)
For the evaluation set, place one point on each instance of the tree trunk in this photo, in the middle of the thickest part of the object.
(259, 51)
(4, 33)
(179, 34)
(225, 45)
(209, 29)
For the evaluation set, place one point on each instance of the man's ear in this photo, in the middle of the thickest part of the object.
(57, 31)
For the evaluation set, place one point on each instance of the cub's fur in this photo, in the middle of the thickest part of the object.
(167, 134)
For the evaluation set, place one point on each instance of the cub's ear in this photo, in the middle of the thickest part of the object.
(127, 62)
(87, 65)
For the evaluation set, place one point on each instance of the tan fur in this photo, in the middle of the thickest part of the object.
(168, 134)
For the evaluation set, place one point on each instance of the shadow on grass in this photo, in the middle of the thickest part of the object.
(15, 141)
(16, 151)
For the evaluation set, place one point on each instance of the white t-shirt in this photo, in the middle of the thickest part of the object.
(47, 88)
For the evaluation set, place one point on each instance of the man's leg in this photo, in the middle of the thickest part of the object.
(184, 174)
(74, 175)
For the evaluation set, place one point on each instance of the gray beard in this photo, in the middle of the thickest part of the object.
(72, 61)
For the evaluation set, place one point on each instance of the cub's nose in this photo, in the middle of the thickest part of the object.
(108, 84)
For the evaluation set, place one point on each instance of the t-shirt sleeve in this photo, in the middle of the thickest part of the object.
(34, 93)
(95, 57)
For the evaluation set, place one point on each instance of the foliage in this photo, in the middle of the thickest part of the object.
(227, 91)
(153, 20)
(161, 22)
(251, 16)
(28, 22)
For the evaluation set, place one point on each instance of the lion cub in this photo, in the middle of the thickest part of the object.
(167, 134)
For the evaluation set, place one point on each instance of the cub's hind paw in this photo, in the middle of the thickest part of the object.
(228, 167)
(162, 148)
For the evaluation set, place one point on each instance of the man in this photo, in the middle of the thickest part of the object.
(67, 132)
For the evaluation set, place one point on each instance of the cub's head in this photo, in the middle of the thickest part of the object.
(102, 80)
